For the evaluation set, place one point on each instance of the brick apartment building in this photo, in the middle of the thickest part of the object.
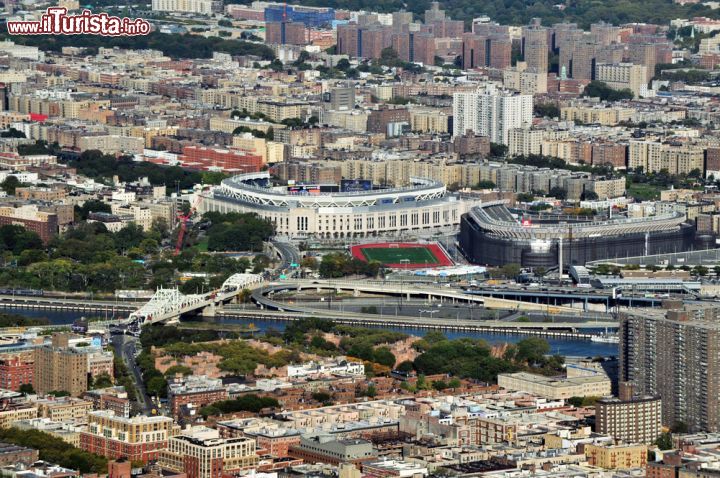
(60, 367)
(275, 443)
(15, 372)
(227, 160)
(201, 453)
(379, 119)
(44, 224)
(286, 33)
(308, 173)
(138, 438)
(114, 399)
(194, 391)
(13, 454)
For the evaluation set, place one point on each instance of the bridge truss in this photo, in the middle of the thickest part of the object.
(167, 304)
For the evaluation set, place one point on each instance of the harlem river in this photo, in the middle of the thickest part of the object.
(566, 347)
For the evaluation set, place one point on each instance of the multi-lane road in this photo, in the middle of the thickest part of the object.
(288, 252)
(126, 346)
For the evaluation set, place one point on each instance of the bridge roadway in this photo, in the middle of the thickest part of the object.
(512, 295)
(70, 305)
(170, 304)
(557, 295)
(165, 305)
(261, 298)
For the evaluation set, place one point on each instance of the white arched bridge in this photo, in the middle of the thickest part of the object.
(169, 304)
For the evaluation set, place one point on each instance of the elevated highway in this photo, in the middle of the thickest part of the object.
(262, 296)
(168, 305)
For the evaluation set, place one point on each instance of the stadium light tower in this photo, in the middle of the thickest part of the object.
(560, 258)
(402, 278)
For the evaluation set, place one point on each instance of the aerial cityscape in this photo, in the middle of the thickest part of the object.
(354, 239)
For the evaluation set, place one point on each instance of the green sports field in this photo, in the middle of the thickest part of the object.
(398, 255)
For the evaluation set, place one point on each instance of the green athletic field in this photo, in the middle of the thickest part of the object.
(394, 255)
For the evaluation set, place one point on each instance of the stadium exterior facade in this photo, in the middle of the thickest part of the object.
(491, 235)
(424, 206)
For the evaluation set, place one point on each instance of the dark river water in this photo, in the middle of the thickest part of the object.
(567, 347)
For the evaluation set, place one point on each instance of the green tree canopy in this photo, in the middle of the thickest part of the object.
(55, 450)
(237, 231)
(599, 89)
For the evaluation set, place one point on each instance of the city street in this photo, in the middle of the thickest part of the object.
(126, 347)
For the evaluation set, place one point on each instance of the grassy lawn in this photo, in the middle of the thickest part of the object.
(393, 255)
(202, 246)
(644, 191)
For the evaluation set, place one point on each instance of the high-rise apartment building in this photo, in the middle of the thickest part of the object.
(629, 418)
(524, 141)
(577, 59)
(59, 367)
(360, 41)
(491, 113)
(564, 34)
(434, 14)
(342, 98)
(527, 82)
(203, 7)
(286, 33)
(645, 54)
(348, 39)
(535, 47)
(675, 354)
(373, 40)
(605, 34)
(473, 51)
(622, 76)
(413, 46)
(422, 48)
(480, 51)
(401, 18)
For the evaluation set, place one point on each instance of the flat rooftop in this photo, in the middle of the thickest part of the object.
(556, 381)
